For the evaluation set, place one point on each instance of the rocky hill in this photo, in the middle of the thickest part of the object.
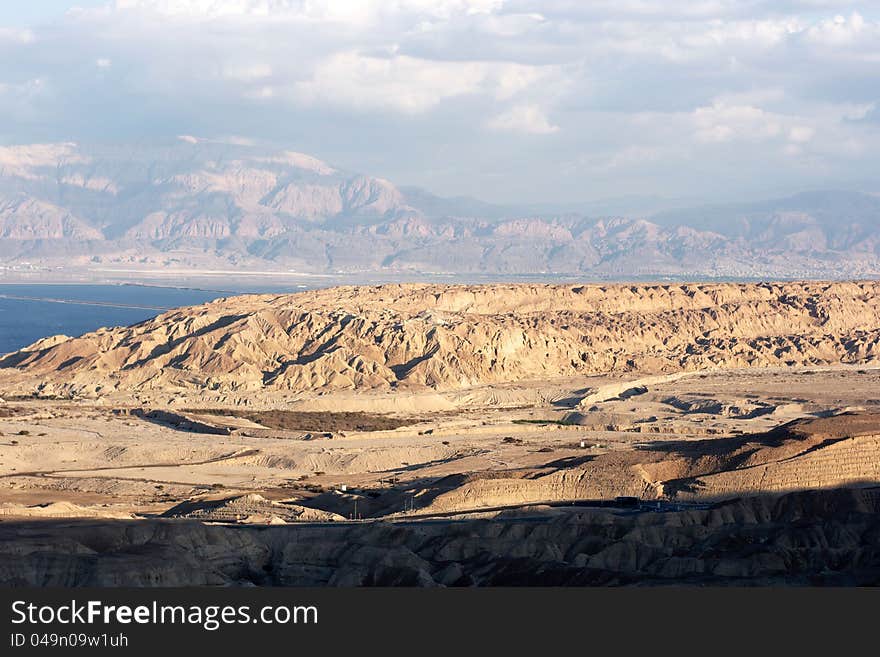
(448, 337)
(807, 453)
(804, 538)
(193, 202)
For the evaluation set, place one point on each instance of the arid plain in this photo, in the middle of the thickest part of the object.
(457, 435)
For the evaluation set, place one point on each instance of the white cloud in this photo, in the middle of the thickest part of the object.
(401, 83)
(12, 35)
(526, 119)
(247, 72)
(208, 7)
(408, 84)
(512, 79)
(720, 122)
(351, 11)
(840, 30)
(388, 85)
(800, 134)
(264, 93)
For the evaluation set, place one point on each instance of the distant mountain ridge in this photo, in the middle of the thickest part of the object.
(193, 203)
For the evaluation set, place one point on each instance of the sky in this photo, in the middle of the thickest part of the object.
(510, 101)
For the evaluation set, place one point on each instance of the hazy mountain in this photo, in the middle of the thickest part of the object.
(196, 203)
(465, 206)
(839, 216)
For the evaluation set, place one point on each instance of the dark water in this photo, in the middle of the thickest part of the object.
(31, 312)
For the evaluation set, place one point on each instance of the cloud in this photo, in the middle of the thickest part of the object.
(843, 31)
(347, 11)
(12, 35)
(403, 83)
(721, 123)
(247, 72)
(651, 96)
(409, 84)
(800, 134)
(526, 119)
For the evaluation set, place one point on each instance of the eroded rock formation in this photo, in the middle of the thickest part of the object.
(448, 337)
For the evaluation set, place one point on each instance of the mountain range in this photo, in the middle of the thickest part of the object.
(195, 203)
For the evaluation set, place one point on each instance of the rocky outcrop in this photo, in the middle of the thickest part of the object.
(840, 450)
(449, 337)
(249, 509)
(806, 538)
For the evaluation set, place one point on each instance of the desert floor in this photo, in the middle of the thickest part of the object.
(480, 450)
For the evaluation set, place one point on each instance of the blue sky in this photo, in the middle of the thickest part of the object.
(25, 13)
(507, 100)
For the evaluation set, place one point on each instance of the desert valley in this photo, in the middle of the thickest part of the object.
(428, 434)
(342, 327)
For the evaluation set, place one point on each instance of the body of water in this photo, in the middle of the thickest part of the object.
(31, 312)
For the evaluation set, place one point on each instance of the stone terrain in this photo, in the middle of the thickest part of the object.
(808, 538)
(455, 337)
(453, 435)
